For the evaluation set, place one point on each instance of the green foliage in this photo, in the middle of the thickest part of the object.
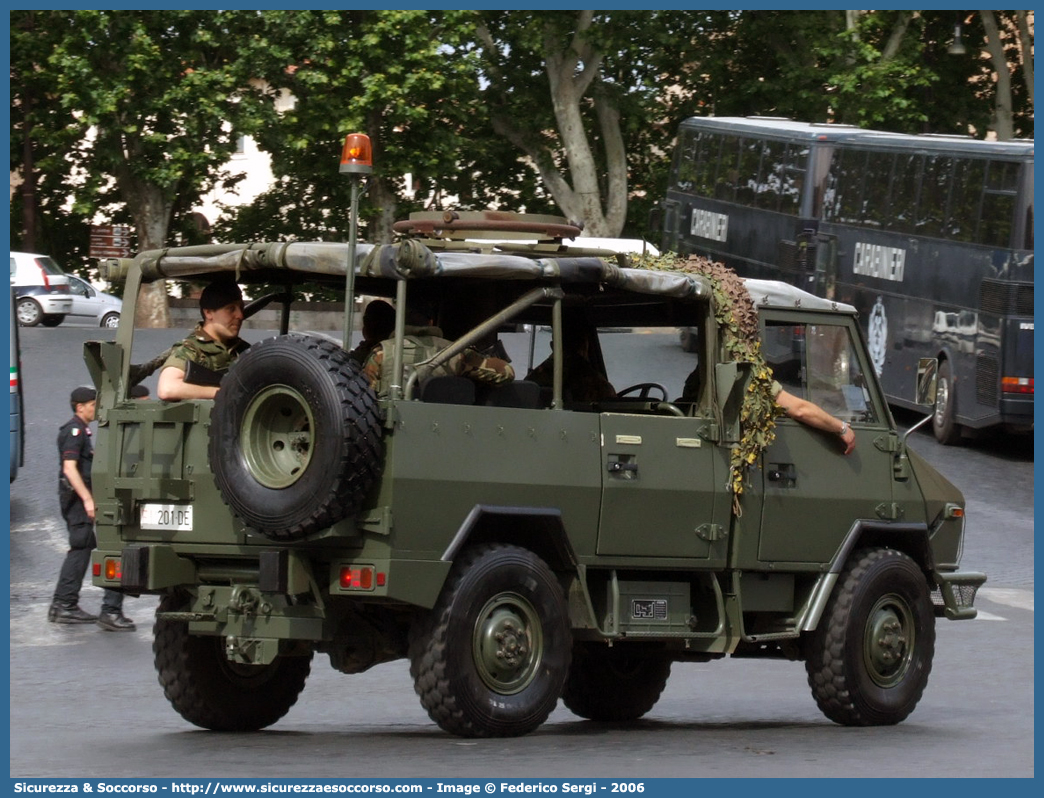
(404, 78)
(133, 115)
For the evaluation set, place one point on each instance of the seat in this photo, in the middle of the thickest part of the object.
(448, 391)
(521, 393)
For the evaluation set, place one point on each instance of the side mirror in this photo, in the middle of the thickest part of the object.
(927, 380)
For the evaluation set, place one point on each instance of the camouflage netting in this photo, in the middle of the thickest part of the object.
(738, 321)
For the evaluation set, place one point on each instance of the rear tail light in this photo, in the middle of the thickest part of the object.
(360, 577)
(1022, 385)
(113, 569)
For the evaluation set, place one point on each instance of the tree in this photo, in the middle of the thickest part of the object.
(891, 70)
(402, 77)
(576, 92)
(152, 102)
(1008, 39)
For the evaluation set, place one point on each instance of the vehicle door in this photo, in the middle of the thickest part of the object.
(84, 300)
(663, 477)
(813, 493)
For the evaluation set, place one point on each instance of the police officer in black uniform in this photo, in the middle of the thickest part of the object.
(76, 452)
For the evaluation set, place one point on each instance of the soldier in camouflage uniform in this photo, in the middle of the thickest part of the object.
(194, 367)
(422, 343)
(378, 324)
(582, 382)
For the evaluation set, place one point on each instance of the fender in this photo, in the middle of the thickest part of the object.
(539, 529)
(911, 538)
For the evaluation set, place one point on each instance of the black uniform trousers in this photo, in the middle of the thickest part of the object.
(78, 558)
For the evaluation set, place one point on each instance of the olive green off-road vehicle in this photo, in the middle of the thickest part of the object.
(519, 543)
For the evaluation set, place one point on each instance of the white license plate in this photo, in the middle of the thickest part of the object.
(171, 517)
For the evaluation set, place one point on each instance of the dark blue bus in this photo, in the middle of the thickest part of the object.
(931, 237)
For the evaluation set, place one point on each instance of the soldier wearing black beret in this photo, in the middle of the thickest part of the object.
(195, 366)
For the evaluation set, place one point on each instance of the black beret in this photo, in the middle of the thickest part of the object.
(218, 294)
(138, 392)
(83, 395)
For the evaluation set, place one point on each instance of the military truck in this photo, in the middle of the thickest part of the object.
(518, 543)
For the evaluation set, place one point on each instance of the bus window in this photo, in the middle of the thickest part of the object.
(965, 196)
(998, 203)
(727, 173)
(876, 210)
(847, 185)
(935, 195)
(707, 160)
(747, 183)
(687, 166)
(794, 164)
(905, 189)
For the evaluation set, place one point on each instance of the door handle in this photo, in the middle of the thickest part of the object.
(783, 473)
(617, 467)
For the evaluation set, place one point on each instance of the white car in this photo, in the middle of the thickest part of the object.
(91, 305)
(41, 290)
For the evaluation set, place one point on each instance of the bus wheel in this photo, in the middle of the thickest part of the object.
(869, 659)
(491, 658)
(944, 425)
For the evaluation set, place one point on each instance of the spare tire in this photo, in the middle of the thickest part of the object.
(295, 436)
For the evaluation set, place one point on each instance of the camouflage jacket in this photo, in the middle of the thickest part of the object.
(199, 347)
(422, 343)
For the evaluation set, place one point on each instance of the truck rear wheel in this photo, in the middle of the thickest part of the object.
(615, 684)
(491, 658)
(869, 660)
(209, 691)
(295, 438)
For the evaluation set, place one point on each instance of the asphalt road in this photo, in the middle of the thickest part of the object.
(86, 703)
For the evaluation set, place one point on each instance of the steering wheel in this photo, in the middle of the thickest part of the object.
(643, 389)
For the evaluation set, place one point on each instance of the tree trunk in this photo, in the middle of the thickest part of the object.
(1003, 122)
(28, 188)
(151, 211)
(571, 72)
(382, 195)
(1026, 50)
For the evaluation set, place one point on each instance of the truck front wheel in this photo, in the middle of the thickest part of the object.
(492, 656)
(209, 691)
(869, 660)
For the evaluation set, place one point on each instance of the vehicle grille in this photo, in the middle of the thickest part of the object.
(964, 594)
(987, 375)
(1006, 298)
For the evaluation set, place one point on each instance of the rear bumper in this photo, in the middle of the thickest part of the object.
(954, 596)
